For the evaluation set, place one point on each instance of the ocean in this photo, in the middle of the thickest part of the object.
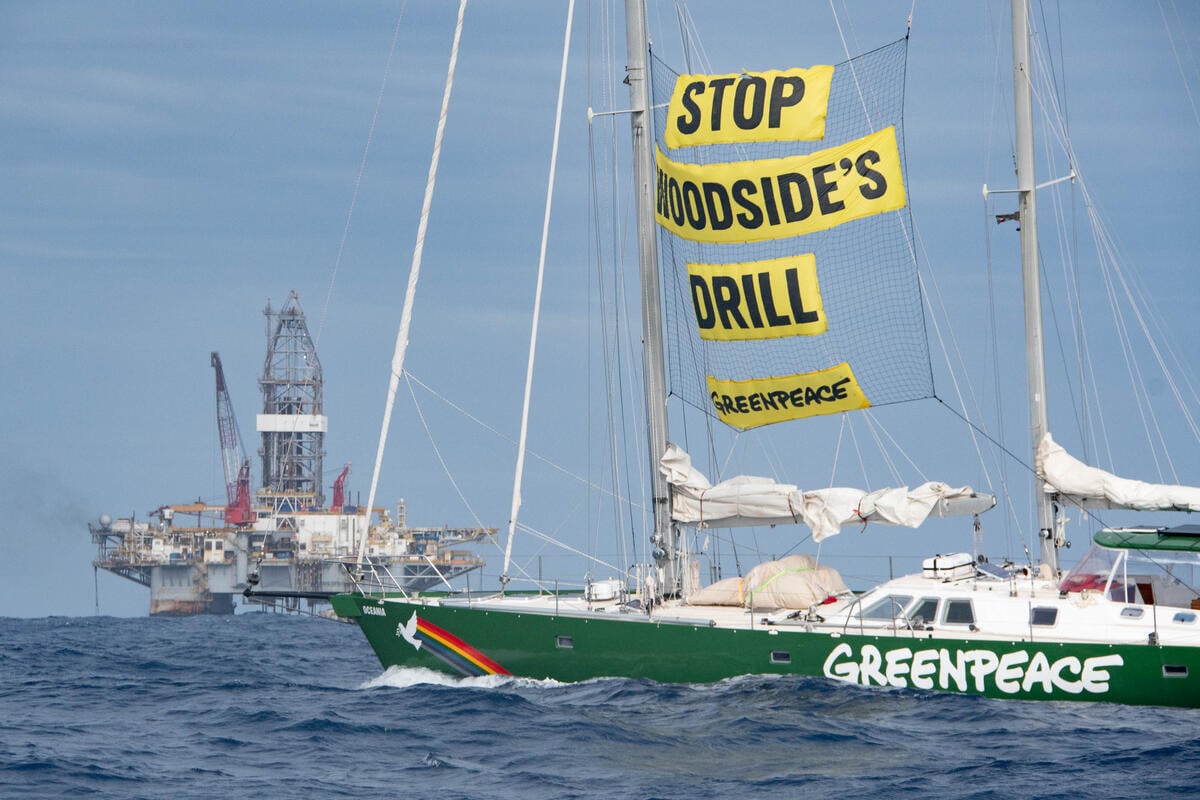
(282, 706)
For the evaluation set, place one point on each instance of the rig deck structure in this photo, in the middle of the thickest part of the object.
(198, 558)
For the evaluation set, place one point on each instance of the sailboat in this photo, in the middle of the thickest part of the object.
(1123, 625)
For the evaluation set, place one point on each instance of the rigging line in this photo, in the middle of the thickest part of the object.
(1139, 315)
(597, 309)
(414, 273)
(620, 372)
(569, 515)
(1178, 63)
(1132, 368)
(692, 41)
(618, 369)
(681, 23)
(837, 21)
(409, 376)
(858, 451)
(611, 356)
(438, 452)
(1071, 282)
(362, 168)
(537, 301)
(1174, 372)
(1096, 429)
(1056, 79)
(958, 392)
(1106, 246)
(610, 343)
(1144, 310)
(895, 444)
(635, 364)
(1054, 111)
(1057, 328)
(874, 426)
(1012, 520)
(594, 258)
(837, 451)
(1070, 256)
(1110, 266)
(551, 540)
(1062, 498)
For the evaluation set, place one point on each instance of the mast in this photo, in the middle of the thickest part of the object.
(1030, 274)
(637, 76)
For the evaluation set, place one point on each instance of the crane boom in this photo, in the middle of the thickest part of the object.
(339, 489)
(233, 455)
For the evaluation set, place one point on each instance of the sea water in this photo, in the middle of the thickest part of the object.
(277, 706)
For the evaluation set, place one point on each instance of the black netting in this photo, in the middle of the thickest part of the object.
(866, 268)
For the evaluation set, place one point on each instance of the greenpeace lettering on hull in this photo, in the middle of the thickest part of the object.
(977, 670)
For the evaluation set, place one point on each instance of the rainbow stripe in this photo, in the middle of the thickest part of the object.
(455, 652)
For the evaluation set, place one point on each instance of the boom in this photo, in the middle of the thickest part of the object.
(233, 455)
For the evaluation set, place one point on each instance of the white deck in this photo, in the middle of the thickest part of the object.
(1000, 610)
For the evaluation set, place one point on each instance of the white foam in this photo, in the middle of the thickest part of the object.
(404, 677)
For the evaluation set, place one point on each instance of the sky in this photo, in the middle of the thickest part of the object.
(170, 168)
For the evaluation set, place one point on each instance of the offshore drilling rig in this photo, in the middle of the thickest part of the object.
(197, 558)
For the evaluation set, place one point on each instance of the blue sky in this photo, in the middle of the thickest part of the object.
(170, 167)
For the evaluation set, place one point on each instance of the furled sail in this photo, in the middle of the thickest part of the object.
(747, 500)
(1092, 487)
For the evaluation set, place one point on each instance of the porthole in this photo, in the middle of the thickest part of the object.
(1043, 615)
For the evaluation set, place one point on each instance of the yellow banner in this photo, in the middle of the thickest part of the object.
(763, 401)
(758, 299)
(772, 106)
(754, 201)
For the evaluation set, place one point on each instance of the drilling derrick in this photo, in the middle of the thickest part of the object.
(280, 545)
(292, 422)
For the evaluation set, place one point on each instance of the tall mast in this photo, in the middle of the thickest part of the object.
(1030, 274)
(637, 76)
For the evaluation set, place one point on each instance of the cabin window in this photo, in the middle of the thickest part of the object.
(1186, 617)
(1043, 616)
(924, 611)
(959, 612)
(565, 642)
(1132, 613)
(1175, 670)
(888, 607)
(781, 657)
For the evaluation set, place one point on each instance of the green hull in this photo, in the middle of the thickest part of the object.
(474, 641)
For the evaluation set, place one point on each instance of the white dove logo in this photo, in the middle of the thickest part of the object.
(409, 632)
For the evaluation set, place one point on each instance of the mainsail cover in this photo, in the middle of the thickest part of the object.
(747, 500)
(1092, 487)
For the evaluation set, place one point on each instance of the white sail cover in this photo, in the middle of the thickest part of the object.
(747, 500)
(1095, 488)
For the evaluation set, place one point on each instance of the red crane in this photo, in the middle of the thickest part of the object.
(233, 456)
(339, 489)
